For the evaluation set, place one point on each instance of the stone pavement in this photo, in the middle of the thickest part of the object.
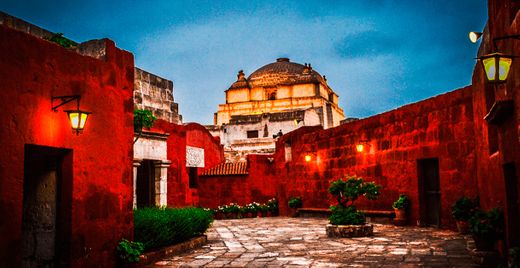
(302, 242)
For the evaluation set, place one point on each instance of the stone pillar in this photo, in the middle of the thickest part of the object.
(161, 179)
(137, 163)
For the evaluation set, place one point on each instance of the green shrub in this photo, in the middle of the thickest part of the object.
(464, 208)
(351, 189)
(272, 204)
(514, 257)
(486, 224)
(346, 193)
(346, 216)
(295, 202)
(402, 202)
(128, 251)
(157, 227)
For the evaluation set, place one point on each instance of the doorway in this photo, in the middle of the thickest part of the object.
(145, 185)
(47, 206)
(513, 209)
(429, 191)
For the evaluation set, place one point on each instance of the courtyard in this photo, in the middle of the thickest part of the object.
(302, 242)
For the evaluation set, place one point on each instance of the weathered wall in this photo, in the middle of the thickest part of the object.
(155, 94)
(258, 186)
(494, 189)
(99, 174)
(439, 127)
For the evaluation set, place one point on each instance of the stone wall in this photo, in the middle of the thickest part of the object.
(96, 195)
(155, 94)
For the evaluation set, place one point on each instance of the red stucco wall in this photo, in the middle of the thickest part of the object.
(32, 70)
(439, 127)
(195, 135)
(258, 186)
(492, 185)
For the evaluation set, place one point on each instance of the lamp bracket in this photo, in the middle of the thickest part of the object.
(64, 100)
(514, 36)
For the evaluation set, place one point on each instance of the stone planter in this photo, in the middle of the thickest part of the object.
(349, 230)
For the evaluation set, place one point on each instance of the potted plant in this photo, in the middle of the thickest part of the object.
(462, 210)
(263, 210)
(295, 203)
(486, 228)
(346, 220)
(128, 253)
(272, 204)
(400, 207)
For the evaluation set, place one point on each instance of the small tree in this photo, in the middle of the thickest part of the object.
(346, 193)
(142, 119)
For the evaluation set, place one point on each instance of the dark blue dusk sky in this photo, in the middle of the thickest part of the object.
(377, 55)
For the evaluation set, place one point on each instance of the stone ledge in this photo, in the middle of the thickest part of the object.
(349, 230)
(154, 256)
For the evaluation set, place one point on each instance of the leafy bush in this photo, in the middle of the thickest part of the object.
(346, 193)
(351, 189)
(143, 119)
(295, 202)
(128, 251)
(514, 257)
(346, 216)
(464, 208)
(157, 227)
(59, 39)
(272, 205)
(486, 224)
(402, 202)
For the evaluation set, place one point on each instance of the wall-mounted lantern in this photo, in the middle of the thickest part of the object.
(308, 157)
(77, 118)
(362, 145)
(496, 66)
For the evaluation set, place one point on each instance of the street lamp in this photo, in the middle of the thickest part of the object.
(360, 147)
(496, 66)
(77, 117)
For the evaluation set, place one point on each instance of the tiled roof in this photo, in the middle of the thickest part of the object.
(238, 168)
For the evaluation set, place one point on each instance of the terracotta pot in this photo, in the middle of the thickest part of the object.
(463, 227)
(400, 217)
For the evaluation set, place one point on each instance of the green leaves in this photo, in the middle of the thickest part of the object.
(464, 208)
(295, 202)
(59, 39)
(346, 216)
(129, 251)
(351, 189)
(486, 224)
(143, 119)
(157, 227)
(401, 202)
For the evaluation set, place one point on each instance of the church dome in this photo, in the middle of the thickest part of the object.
(281, 72)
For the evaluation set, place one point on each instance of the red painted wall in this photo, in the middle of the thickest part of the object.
(258, 186)
(195, 135)
(492, 186)
(439, 127)
(32, 70)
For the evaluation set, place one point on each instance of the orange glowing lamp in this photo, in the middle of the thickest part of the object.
(77, 118)
(360, 148)
(308, 158)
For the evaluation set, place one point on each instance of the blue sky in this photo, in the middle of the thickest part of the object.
(377, 55)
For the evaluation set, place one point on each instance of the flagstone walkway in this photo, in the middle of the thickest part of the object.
(302, 242)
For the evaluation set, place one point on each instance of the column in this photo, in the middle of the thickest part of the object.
(161, 179)
(137, 163)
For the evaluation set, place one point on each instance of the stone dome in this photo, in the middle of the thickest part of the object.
(281, 72)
